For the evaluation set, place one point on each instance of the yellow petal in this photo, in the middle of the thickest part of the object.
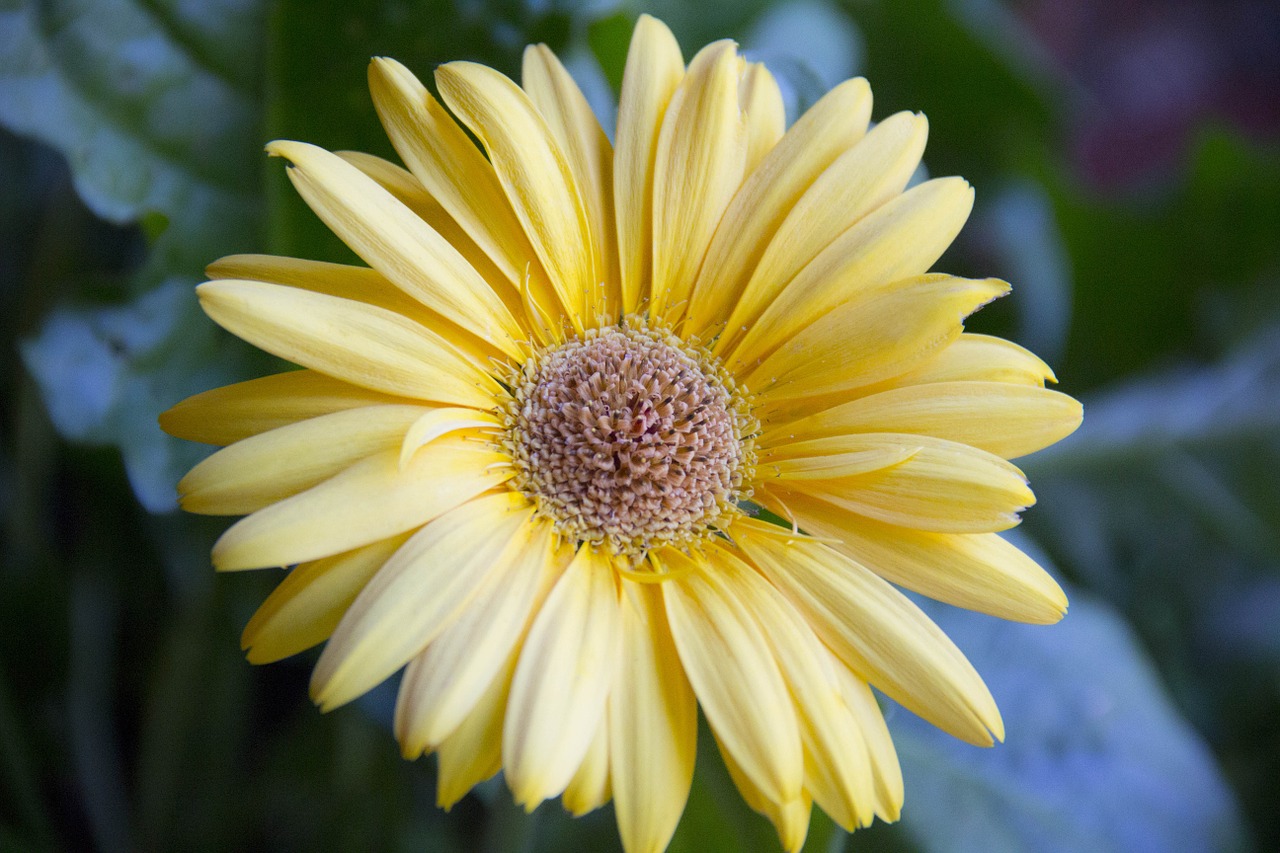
(825, 131)
(442, 685)
(410, 192)
(261, 470)
(430, 425)
(450, 167)
(735, 677)
(875, 335)
(305, 607)
(352, 341)
(415, 594)
(701, 155)
(763, 111)
(473, 753)
(227, 415)
(876, 631)
(589, 156)
(897, 240)
(371, 500)
(836, 465)
(560, 686)
(790, 819)
(652, 75)
(653, 721)
(1000, 418)
(980, 358)
(589, 788)
(860, 180)
(977, 571)
(399, 244)
(838, 769)
(534, 174)
(884, 756)
(942, 486)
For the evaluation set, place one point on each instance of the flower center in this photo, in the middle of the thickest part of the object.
(629, 438)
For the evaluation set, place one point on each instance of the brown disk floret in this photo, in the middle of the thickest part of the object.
(628, 438)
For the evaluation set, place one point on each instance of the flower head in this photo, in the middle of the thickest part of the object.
(606, 432)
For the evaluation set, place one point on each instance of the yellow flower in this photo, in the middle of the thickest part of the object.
(608, 432)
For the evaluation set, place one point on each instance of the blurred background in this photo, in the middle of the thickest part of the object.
(1126, 155)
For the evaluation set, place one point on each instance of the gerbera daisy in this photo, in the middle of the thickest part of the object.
(606, 433)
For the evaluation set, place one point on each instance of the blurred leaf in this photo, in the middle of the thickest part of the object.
(1096, 758)
(809, 46)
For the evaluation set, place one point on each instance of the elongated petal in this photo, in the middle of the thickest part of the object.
(653, 723)
(1001, 418)
(700, 162)
(943, 486)
(442, 685)
(831, 466)
(226, 415)
(351, 341)
(589, 789)
(897, 240)
(861, 179)
(763, 111)
(533, 172)
(735, 677)
(874, 336)
(884, 756)
(977, 571)
(838, 770)
(432, 424)
(371, 500)
(828, 129)
(307, 605)
(473, 753)
(979, 358)
(790, 819)
(560, 686)
(398, 243)
(450, 167)
(653, 73)
(589, 156)
(261, 470)
(411, 600)
(877, 632)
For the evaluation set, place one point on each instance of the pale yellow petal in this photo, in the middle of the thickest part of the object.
(305, 607)
(943, 486)
(884, 756)
(1001, 418)
(838, 770)
(653, 73)
(838, 465)
(977, 571)
(876, 631)
(824, 132)
(899, 239)
(857, 182)
(735, 677)
(979, 358)
(371, 500)
(790, 819)
(415, 594)
(431, 425)
(590, 158)
(560, 686)
(450, 167)
(653, 721)
(700, 162)
(763, 111)
(473, 753)
(351, 341)
(394, 240)
(443, 683)
(589, 788)
(261, 470)
(410, 192)
(226, 415)
(877, 334)
(534, 174)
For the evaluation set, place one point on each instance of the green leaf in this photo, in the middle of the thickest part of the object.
(1095, 757)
